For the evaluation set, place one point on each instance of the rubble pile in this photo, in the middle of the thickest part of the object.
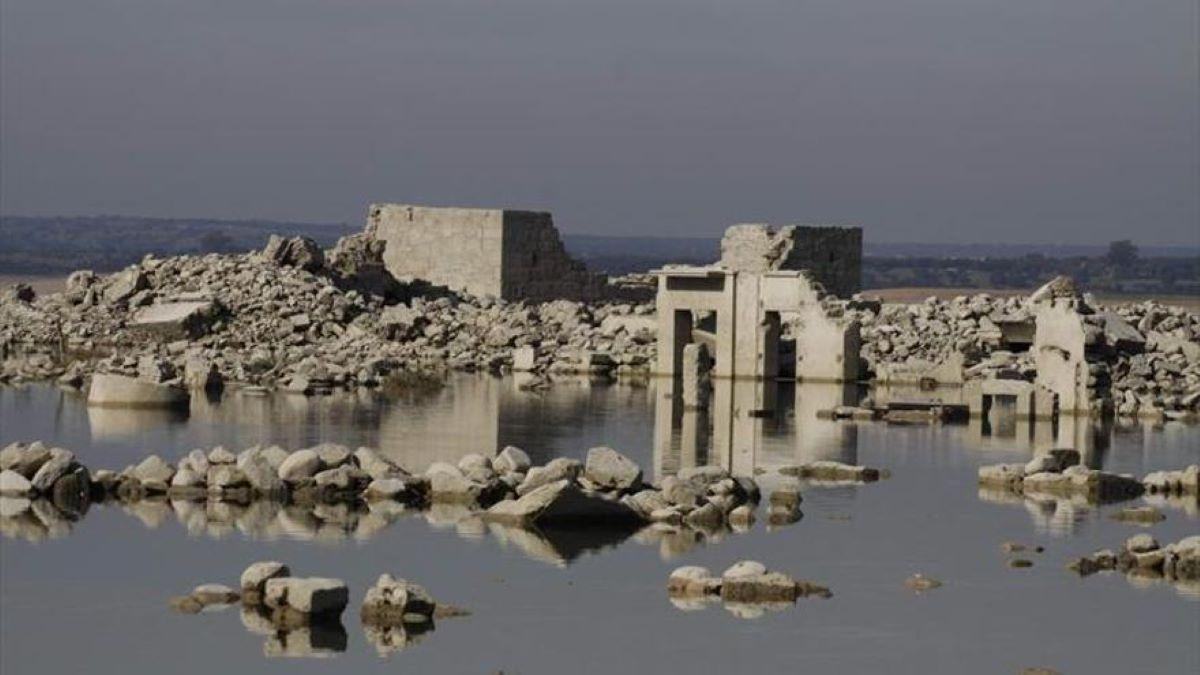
(1144, 357)
(747, 589)
(291, 317)
(1142, 556)
(329, 492)
(1058, 472)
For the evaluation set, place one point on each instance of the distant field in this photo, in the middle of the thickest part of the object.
(917, 294)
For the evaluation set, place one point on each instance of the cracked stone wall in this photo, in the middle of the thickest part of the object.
(485, 252)
(833, 255)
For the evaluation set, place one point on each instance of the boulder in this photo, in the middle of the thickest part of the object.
(153, 469)
(56, 467)
(610, 469)
(121, 391)
(511, 459)
(214, 594)
(759, 588)
(13, 484)
(384, 489)
(300, 465)
(553, 471)
(692, 581)
(256, 576)
(175, 320)
(397, 601)
(560, 502)
(308, 595)
(24, 459)
(1054, 461)
(300, 252)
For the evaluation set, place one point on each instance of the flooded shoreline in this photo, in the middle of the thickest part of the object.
(928, 517)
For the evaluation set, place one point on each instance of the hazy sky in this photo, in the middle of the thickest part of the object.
(922, 120)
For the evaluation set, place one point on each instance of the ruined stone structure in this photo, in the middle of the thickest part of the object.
(749, 309)
(484, 252)
(831, 255)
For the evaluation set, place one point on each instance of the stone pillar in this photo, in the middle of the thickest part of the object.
(696, 365)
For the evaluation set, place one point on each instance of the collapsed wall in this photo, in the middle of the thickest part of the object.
(832, 255)
(502, 253)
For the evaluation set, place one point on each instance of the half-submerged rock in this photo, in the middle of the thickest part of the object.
(747, 582)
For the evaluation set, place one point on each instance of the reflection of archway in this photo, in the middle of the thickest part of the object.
(751, 425)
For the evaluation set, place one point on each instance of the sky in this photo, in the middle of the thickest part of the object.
(1055, 121)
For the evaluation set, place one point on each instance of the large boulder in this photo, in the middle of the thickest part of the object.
(175, 320)
(610, 469)
(300, 465)
(13, 484)
(397, 601)
(553, 471)
(24, 459)
(256, 576)
(153, 469)
(308, 595)
(299, 252)
(121, 391)
(56, 467)
(561, 502)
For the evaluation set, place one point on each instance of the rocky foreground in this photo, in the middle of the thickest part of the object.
(330, 492)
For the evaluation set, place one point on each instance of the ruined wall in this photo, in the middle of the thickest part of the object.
(461, 249)
(536, 265)
(485, 252)
(832, 254)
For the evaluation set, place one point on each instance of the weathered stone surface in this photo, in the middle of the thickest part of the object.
(175, 320)
(24, 459)
(560, 502)
(121, 391)
(832, 254)
(693, 581)
(385, 488)
(214, 594)
(13, 484)
(300, 252)
(153, 469)
(553, 471)
(300, 465)
(511, 459)
(56, 467)
(483, 252)
(1055, 461)
(308, 595)
(610, 469)
(256, 576)
(393, 600)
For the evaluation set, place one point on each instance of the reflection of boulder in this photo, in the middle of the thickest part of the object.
(560, 545)
(322, 639)
(119, 423)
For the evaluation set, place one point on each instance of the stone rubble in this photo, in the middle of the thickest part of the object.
(1058, 472)
(1145, 357)
(747, 588)
(286, 318)
(1141, 557)
(328, 492)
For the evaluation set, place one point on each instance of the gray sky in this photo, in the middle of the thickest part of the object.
(922, 120)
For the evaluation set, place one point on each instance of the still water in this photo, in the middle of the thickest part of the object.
(90, 596)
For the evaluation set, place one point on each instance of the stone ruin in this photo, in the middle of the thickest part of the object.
(759, 292)
(502, 253)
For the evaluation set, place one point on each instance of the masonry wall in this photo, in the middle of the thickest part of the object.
(537, 267)
(486, 252)
(833, 255)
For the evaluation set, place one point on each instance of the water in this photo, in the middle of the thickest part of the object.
(94, 598)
